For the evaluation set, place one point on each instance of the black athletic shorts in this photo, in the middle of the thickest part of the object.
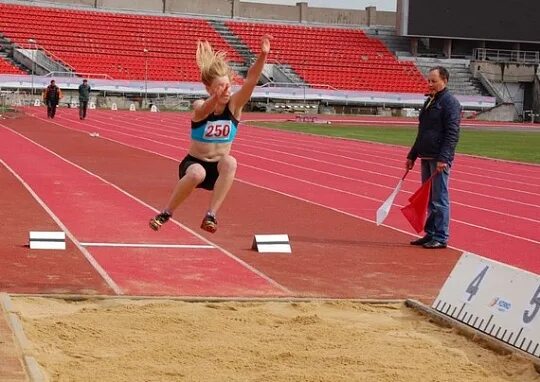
(210, 168)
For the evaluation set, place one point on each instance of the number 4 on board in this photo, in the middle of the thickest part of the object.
(473, 287)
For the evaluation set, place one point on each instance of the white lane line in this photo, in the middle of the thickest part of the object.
(294, 196)
(296, 178)
(139, 131)
(110, 282)
(298, 144)
(199, 236)
(246, 142)
(144, 245)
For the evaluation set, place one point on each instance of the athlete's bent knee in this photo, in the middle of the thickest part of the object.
(227, 165)
(195, 174)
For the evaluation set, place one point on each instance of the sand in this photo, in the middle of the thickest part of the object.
(162, 340)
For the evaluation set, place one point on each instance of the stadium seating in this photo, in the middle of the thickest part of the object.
(335, 57)
(7, 68)
(113, 44)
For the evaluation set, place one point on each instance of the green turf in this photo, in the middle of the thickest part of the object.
(521, 146)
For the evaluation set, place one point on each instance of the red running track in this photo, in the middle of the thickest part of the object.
(97, 214)
(495, 205)
(335, 254)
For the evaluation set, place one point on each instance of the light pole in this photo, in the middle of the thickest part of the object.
(33, 41)
(146, 76)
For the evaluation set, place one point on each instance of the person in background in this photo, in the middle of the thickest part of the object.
(51, 97)
(84, 97)
(435, 145)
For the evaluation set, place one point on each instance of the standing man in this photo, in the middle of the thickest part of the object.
(84, 97)
(51, 97)
(435, 145)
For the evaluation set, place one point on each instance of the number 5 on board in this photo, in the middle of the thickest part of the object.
(529, 315)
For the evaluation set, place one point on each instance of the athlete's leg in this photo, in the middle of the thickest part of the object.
(194, 175)
(227, 170)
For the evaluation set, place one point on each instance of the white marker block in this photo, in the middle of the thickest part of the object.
(154, 109)
(114, 107)
(47, 240)
(92, 105)
(132, 107)
(37, 102)
(271, 243)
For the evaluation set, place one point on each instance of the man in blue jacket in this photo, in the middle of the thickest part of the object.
(435, 145)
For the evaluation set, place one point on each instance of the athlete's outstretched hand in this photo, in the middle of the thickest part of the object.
(265, 43)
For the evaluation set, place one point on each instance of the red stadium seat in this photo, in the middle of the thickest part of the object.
(113, 43)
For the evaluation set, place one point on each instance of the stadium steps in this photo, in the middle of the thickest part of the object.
(236, 44)
(337, 57)
(461, 80)
(232, 39)
(244, 51)
(8, 65)
(289, 72)
(387, 35)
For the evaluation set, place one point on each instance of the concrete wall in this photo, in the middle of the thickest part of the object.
(536, 98)
(386, 18)
(205, 7)
(503, 112)
(504, 72)
(135, 5)
(269, 12)
(300, 12)
(336, 16)
(86, 3)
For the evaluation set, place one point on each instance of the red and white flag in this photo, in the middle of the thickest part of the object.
(416, 210)
(384, 209)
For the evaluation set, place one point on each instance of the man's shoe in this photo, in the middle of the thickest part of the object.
(422, 240)
(160, 219)
(209, 223)
(434, 244)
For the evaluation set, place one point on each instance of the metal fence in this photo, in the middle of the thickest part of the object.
(506, 56)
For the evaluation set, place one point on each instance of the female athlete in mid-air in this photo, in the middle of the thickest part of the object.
(214, 124)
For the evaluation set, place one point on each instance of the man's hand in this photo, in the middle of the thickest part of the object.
(441, 166)
(409, 164)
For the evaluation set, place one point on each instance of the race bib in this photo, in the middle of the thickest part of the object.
(217, 130)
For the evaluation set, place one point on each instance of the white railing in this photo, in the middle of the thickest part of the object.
(507, 56)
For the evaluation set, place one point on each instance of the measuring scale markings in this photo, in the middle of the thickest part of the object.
(496, 299)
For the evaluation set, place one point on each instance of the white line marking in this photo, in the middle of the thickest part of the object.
(143, 245)
(241, 143)
(385, 153)
(295, 178)
(298, 144)
(223, 250)
(110, 282)
(311, 169)
(297, 197)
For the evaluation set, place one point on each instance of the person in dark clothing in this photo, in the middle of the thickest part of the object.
(84, 97)
(51, 97)
(435, 145)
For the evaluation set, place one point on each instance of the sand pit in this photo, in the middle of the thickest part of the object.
(162, 340)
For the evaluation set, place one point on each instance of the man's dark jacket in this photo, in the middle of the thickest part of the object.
(438, 130)
(84, 92)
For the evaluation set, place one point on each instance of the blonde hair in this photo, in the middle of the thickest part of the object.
(212, 64)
